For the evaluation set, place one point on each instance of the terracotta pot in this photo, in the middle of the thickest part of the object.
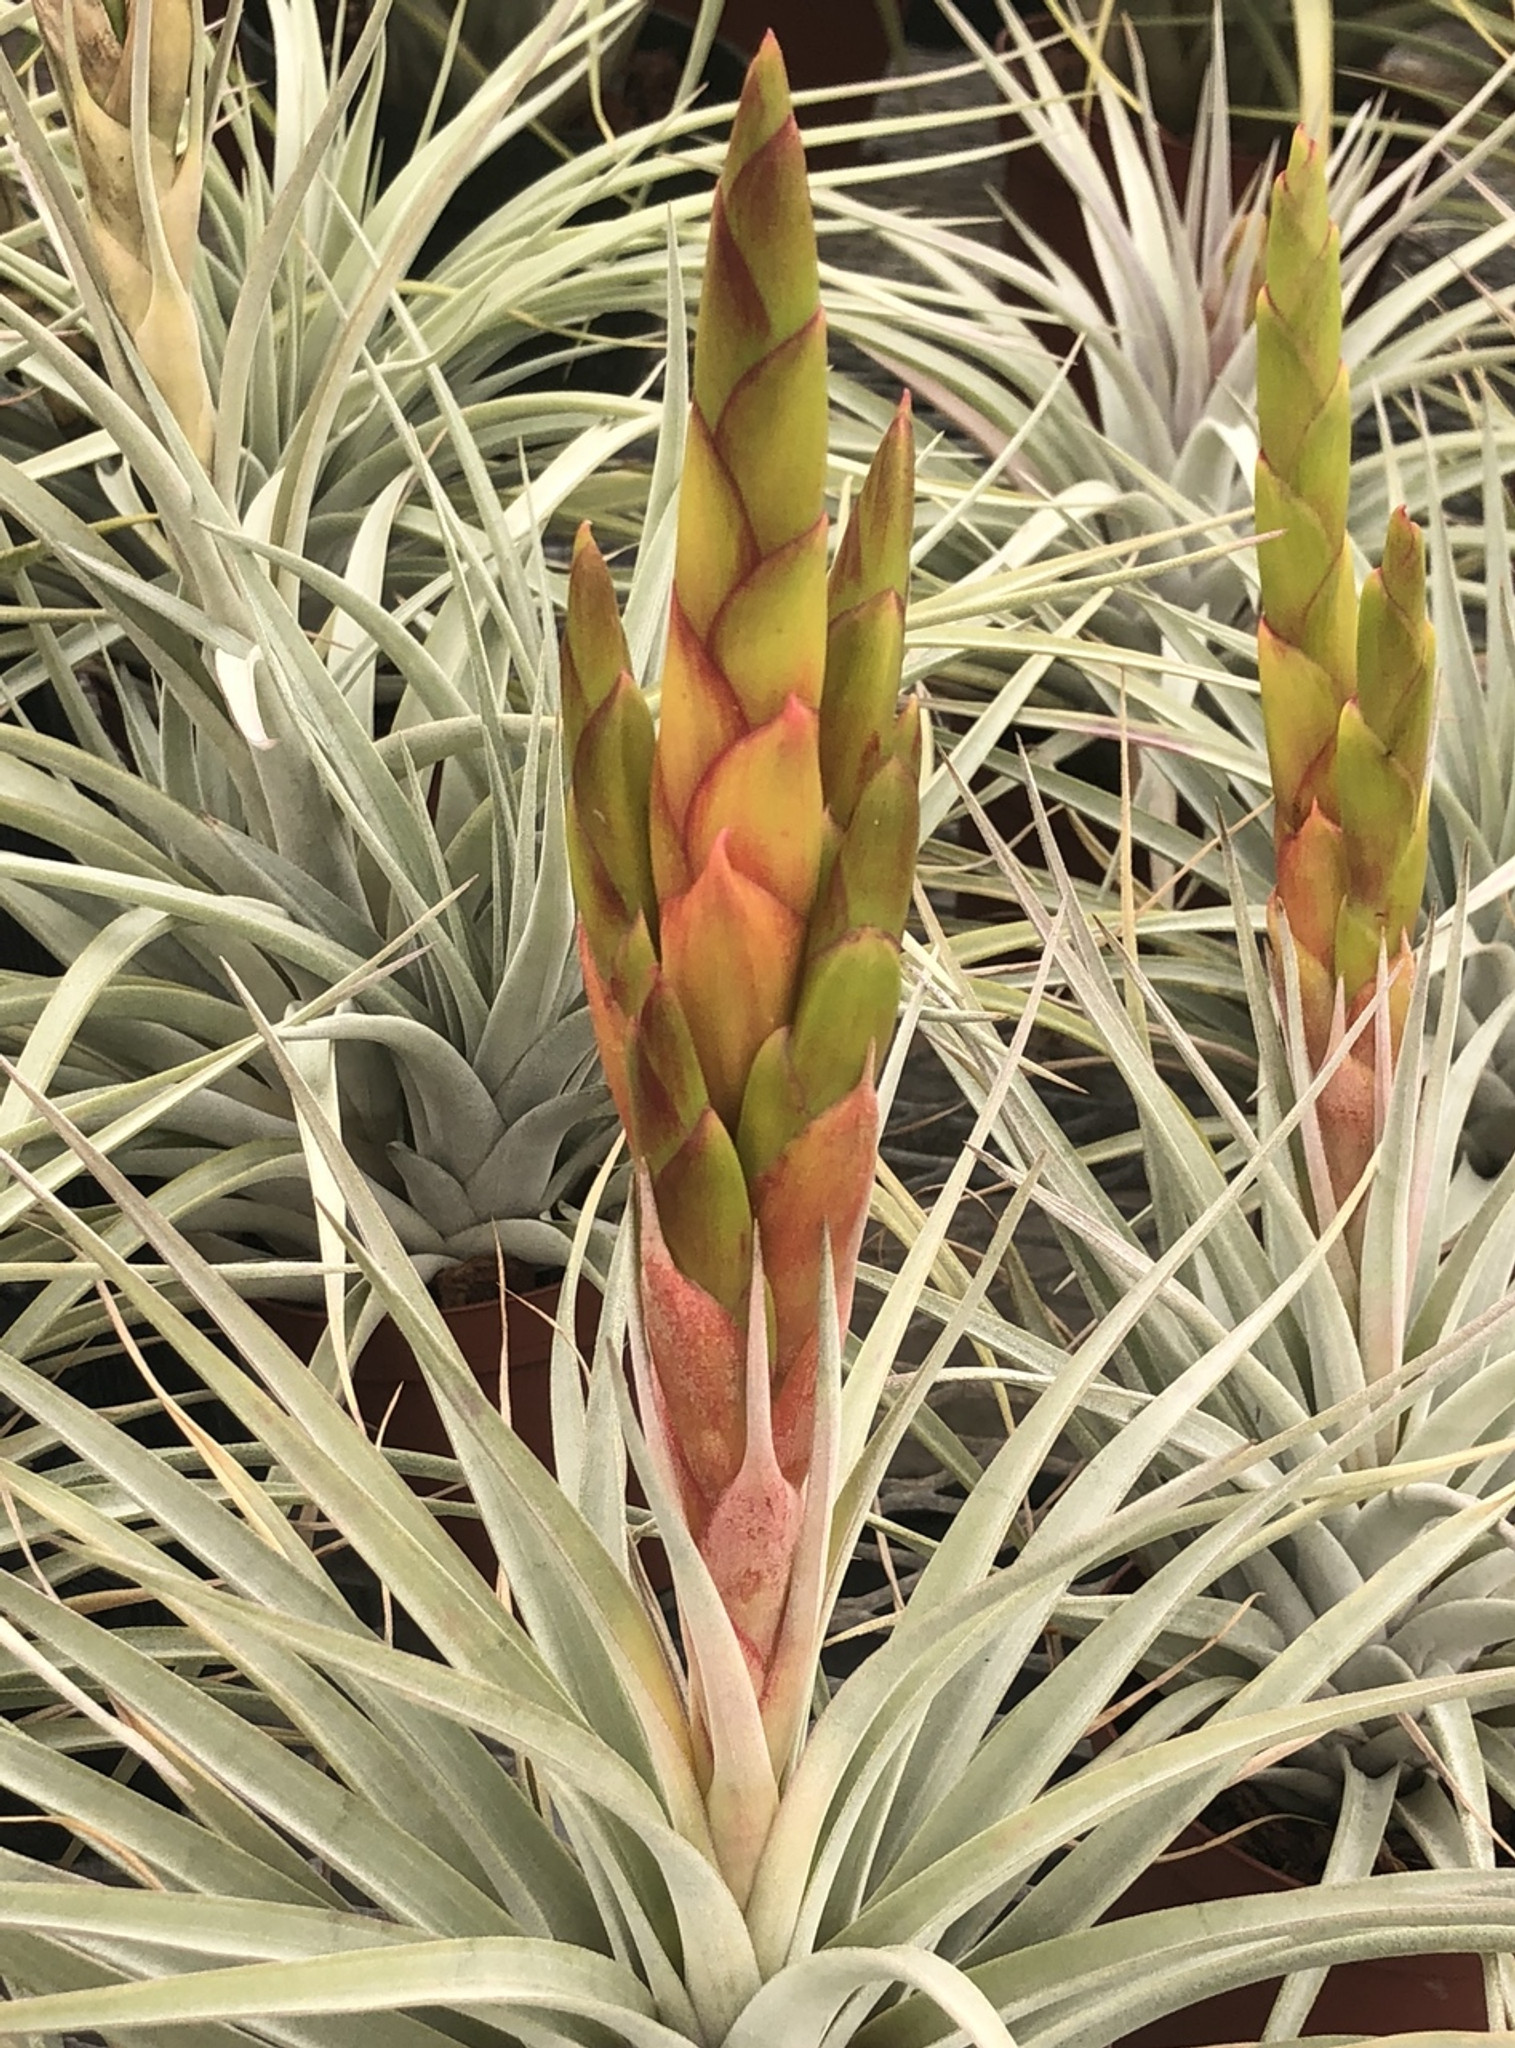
(825, 43)
(393, 1394)
(1391, 1995)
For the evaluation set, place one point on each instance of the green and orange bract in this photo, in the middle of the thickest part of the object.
(743, 876)
(1347, 682)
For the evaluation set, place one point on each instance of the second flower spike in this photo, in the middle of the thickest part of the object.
(1347, 683)
(142, 179)
(743, 878)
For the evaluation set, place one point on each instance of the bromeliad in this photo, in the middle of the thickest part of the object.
(742, 879)
(1347, 684)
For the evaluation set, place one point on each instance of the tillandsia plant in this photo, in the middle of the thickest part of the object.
(742, 879)
(294, 253)
(1399, 1416)
(1159, 440)
(302, 711)
(136, 105)
(1347, 688)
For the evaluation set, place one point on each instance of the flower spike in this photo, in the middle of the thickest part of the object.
(742, 881)
(146, 231)
(1347, 684)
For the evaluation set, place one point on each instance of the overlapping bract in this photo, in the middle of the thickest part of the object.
(146, 230)
(1347, 683)
(743, 875)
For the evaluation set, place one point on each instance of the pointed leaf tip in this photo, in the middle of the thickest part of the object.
(874, 553)
(594, 650)
(1404, 549)
(762, 110)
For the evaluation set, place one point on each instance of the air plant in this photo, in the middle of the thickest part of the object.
(314, 754)
(1390, 1404)
(1388, 1380)
(1158, 432)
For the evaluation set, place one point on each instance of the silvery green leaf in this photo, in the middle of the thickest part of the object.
(518, 1170)
(434, 1194)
